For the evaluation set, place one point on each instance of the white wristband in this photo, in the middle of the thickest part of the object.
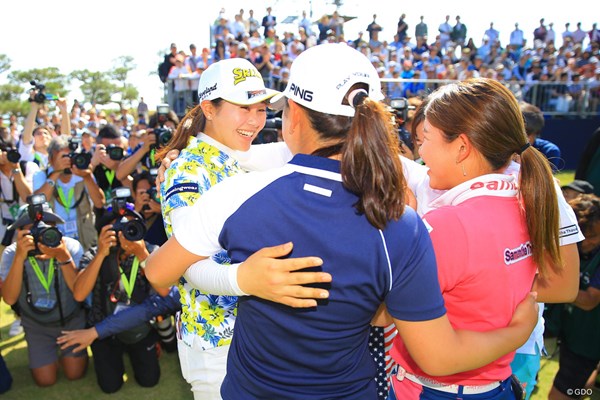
(214, 278)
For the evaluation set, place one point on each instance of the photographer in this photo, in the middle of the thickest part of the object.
(34, 142)
(162, 125)
(113, 273)
(15, 185)
(147, 204)
(109, 152)
(39, 279)
(70, 187)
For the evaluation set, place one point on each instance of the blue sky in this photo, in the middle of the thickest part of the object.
(76, 35)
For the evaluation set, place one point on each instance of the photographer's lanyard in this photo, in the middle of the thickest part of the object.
(45, 281)
(67, 202)
(153, 156)
(128, 284)
(110, 176)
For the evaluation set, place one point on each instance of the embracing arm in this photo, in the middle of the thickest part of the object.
(440, 350)
(560, 287)
(264, 274)
(173, 255)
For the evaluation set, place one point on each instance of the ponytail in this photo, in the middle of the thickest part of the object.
(488, 113)
(369, 150)
(539, 200)
(193, 123)
(370, 162)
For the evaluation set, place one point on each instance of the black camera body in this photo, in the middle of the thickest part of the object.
(115, 152)
(399, 108)
(40, 96)
(270, 133)
(163, 134)
(133, 229)
(13, 156)
(80, 159)
(42, 233)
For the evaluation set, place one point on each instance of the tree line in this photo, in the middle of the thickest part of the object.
(98, 87)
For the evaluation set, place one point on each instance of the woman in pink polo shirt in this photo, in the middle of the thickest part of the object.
(491, 234)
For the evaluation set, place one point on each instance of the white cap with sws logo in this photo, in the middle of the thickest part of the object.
(234, 80)
(321, 76)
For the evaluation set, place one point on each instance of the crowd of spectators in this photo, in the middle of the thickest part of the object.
(556, 79)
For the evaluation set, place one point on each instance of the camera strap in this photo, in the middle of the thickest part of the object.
(129, 284)
(153, 156)
(67, 201)
(45, 281)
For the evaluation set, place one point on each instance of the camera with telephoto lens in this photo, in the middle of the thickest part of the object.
(42, 233)
(152, 192)
(79, 157)
(163, 133)
(133, 229)
(399, 108)
(270, 133)
(40, 96)
(114, 152)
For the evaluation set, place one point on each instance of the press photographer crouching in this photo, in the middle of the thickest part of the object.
(39, 272)
(113, 272)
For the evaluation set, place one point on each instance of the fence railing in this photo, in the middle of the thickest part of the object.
(580, 99)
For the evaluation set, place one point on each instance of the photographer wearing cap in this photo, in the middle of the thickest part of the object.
(113, 271)
(39, 271)
(107, 156)
(15, 185)
(69, 184)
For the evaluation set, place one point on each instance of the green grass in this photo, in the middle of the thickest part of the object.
(14, 350)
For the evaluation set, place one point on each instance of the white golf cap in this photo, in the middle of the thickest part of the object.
(321, 76)
(234, 80)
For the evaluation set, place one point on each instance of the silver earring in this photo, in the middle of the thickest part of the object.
(463, 169)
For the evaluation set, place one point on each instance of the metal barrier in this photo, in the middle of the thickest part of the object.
(179, 101)
(580, 99)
